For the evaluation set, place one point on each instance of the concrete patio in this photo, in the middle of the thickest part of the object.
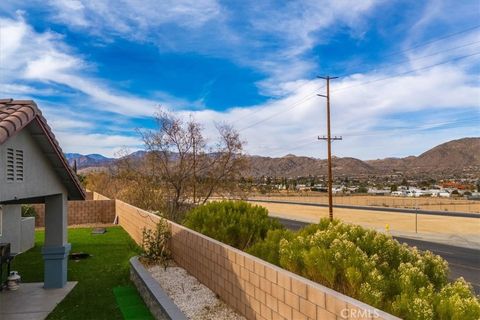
(31, 301)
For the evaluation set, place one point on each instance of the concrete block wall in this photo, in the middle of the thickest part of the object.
(98, 196)
(253, 287)
(82, 212)
(133, 220)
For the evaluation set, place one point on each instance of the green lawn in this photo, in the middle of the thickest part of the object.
(93, 297)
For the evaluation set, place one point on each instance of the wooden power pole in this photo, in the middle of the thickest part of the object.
(329, 144)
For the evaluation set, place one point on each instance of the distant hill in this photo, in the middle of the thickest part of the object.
(453, 157)
(456, 156)
(88, 160)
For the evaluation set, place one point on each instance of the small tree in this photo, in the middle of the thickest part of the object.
(155, 244)
(188, 169)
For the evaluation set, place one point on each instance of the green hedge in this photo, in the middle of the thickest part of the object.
(372, 267)
(235, 223)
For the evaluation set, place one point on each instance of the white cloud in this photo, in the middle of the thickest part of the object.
(107, 145)
(43, 57)
(133, 19)
(232, 33)
(360, 112)
(71, 11)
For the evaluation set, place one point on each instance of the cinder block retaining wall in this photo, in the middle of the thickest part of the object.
(255, 288)
(82, 212)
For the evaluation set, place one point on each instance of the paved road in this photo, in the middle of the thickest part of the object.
(375, 208)
(463, 262)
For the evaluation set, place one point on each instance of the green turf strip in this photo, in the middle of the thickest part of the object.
(131, 304)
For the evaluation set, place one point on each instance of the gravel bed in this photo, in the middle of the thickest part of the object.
(194, 299)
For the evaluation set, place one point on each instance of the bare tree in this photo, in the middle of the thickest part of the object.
(131, 179)
(187, 169)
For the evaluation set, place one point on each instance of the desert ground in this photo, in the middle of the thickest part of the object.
(467, 229)
(423, 203)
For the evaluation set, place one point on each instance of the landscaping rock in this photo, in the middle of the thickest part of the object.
(194, 299)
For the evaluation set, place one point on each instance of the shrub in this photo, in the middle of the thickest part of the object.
(372, 267)
(456, 302)
(235, 223)
(155, 244)
(269, 249)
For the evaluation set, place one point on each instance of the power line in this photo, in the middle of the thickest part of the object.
(296, 104)
(408, 72)
(416, 58)
(434, 40)
(259, 109)
(423, 44)
(307, 140)
(394, 131)
(308, 97)
(389, 132)
(438, 52)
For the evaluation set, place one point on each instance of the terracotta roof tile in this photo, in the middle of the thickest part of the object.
(15, 115)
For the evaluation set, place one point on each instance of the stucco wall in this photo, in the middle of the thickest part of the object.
(18, 231)
(255, 288)
(11, 229)
(39, 177)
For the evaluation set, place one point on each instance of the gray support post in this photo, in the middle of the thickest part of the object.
(56, 249)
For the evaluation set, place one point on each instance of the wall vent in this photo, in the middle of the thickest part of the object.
(19, 165)
(10, 165)
(15, 169)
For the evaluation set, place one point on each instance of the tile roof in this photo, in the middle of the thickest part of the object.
(16, 115)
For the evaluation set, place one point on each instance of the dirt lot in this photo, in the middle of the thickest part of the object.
(424, 203)
(465, 228)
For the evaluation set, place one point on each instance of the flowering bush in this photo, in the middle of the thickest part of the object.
(372, 267)
(269, 249)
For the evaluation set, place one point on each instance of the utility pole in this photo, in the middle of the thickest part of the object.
(329, 144)
(194, 171)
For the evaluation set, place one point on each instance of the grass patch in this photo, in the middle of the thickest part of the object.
(131, 304)
(107, 268)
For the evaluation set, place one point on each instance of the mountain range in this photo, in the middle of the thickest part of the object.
(450, 158)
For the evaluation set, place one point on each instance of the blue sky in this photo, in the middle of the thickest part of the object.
(409, 71)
